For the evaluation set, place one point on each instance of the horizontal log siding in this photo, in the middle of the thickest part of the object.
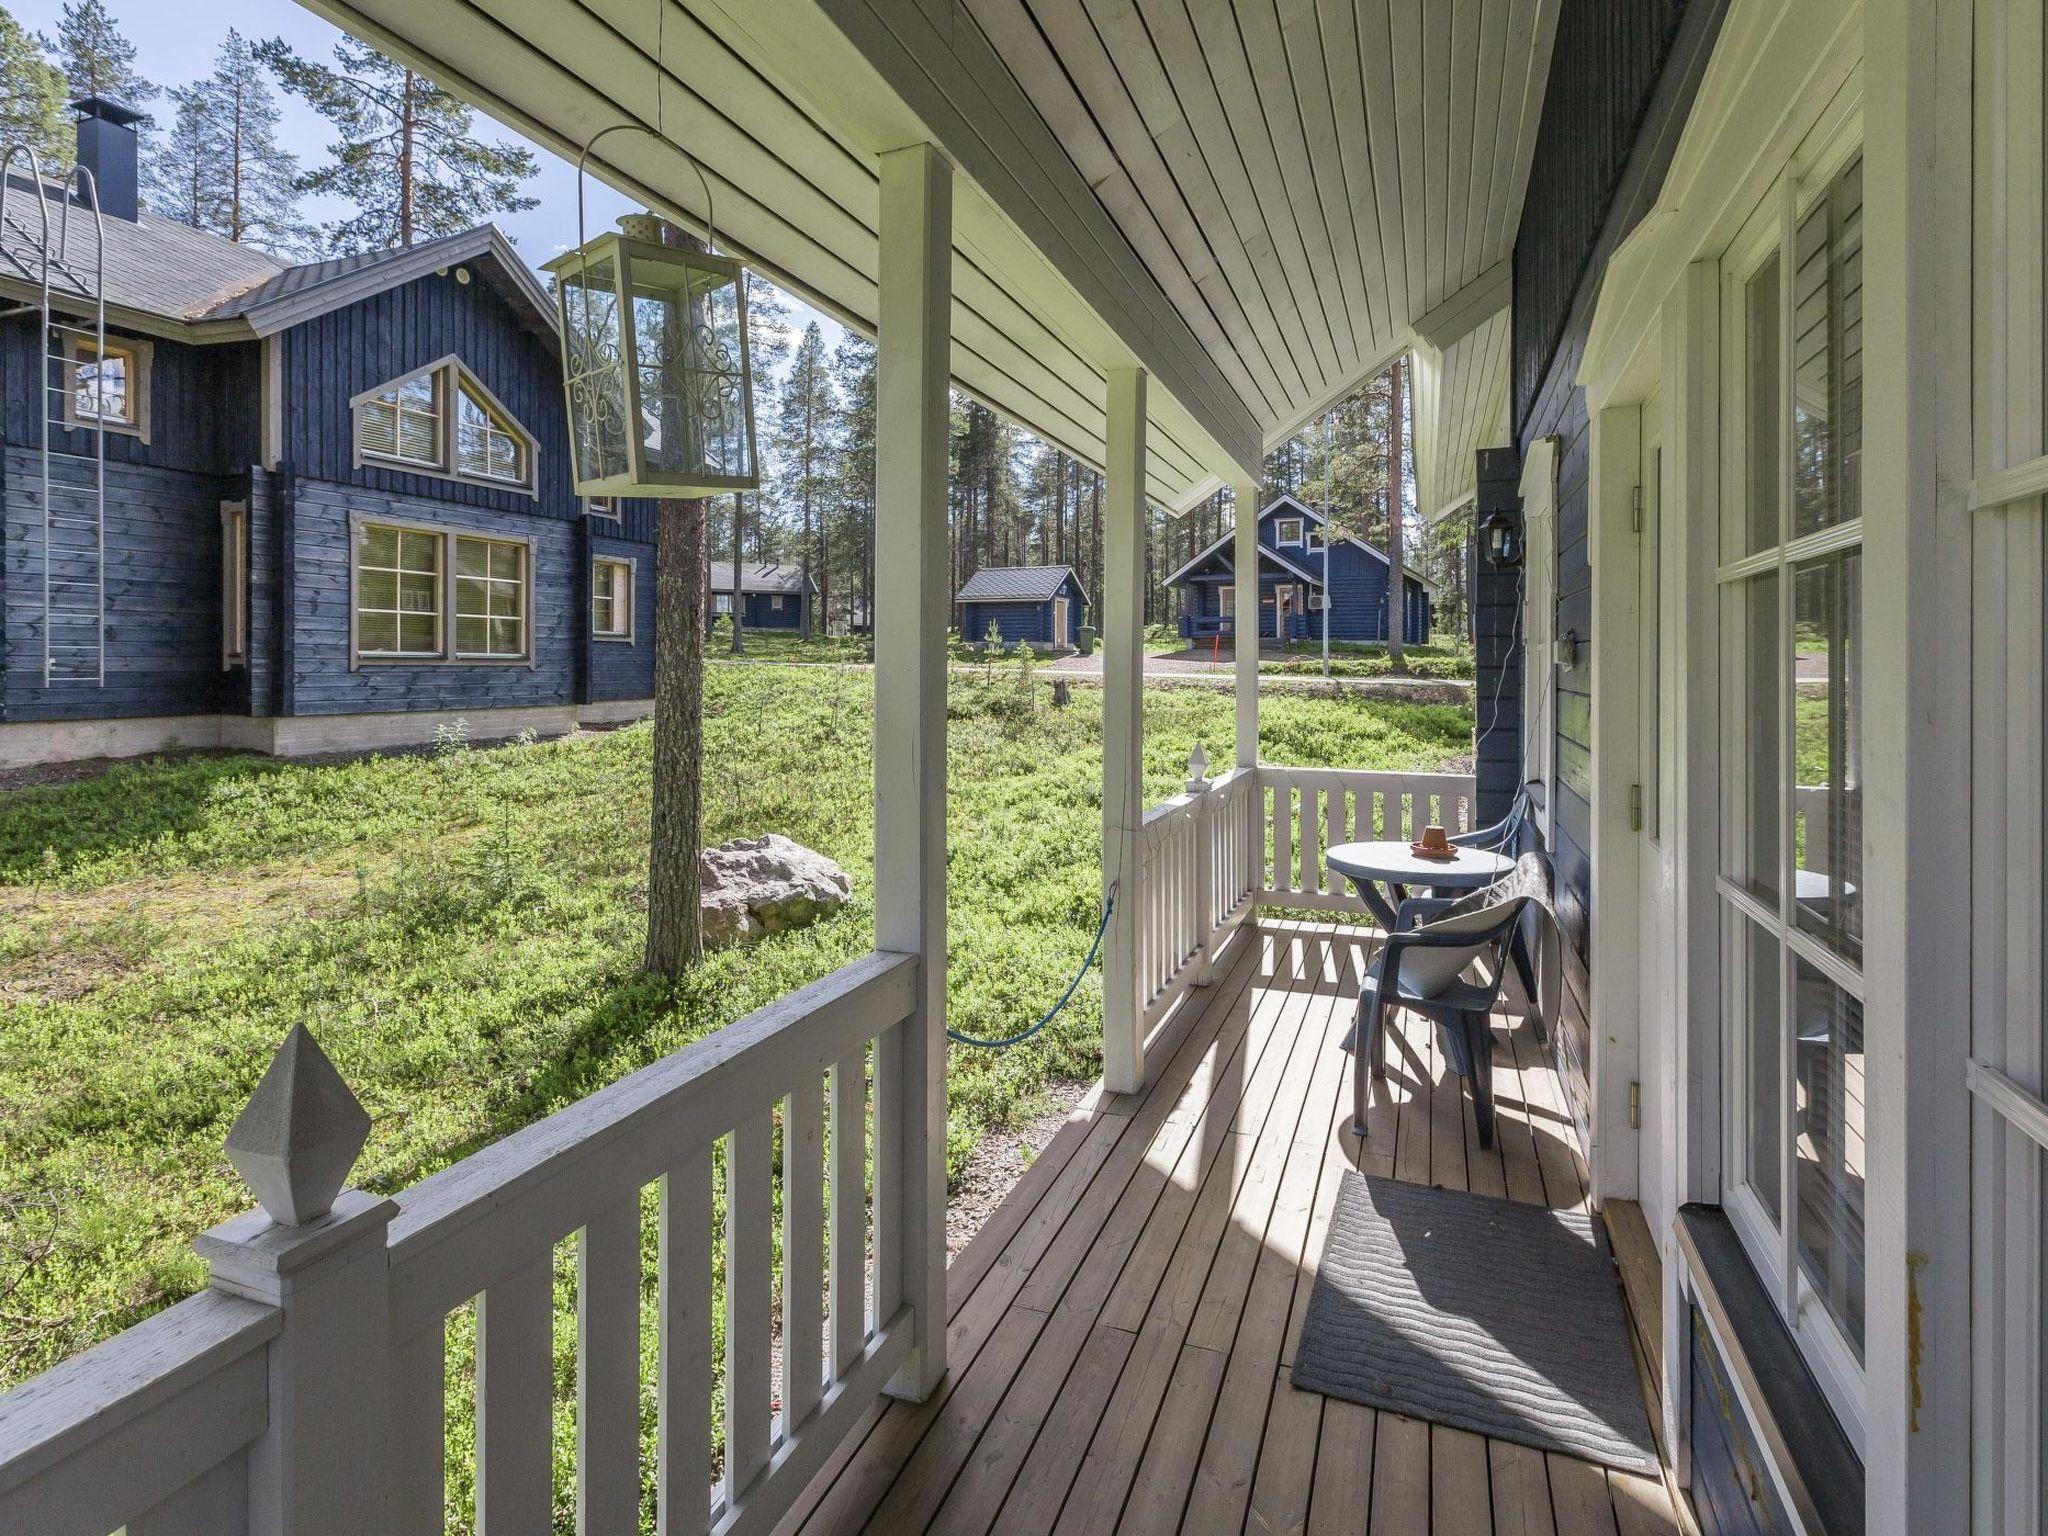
(162, 573)
(617, 669)
(330, 360)
(319, 680)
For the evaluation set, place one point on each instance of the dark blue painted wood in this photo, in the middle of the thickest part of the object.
(319, 681)
(621, 669)
(1731, 1490)
(162, 579)
(328, 361)
(1026, 620)
(1357, 584)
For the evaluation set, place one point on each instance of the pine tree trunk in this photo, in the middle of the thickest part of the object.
(739, 522)
(1397, 575)
(674, 937)
(405, 127)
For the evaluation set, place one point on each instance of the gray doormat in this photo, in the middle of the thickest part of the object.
(1485, 1314)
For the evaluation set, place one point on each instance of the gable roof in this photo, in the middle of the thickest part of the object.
(1017, 584)
(170, 278)
(1289, 506)
(759, 578)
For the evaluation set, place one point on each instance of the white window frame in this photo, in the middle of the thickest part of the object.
(1539, 619)
(234, 585)
(142, 360)
(446, 652)
(606, 507)
(1226, 600)
(497, 425)
(1773, 1247)
(451, 381)
(1282, 524)
(625, 577)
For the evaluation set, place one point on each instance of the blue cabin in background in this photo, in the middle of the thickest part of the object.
(1295, 563)
(1042, 605)
(337, 510)
(770, 596)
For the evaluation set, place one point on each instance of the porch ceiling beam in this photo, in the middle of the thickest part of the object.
(1469, 308)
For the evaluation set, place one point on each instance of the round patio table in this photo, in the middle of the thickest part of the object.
(1393, 863)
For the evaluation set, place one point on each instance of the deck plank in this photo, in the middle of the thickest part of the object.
(1123, 1327)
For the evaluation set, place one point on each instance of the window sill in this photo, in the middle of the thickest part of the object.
(1794, 1424)
(443, 661)
(612, 639)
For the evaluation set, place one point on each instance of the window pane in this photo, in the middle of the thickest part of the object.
(505, 561)
(377, 589)
(1763, 429)
(419, 594)
(472, 596)
(1759, 1027)
(1827, 421)
(505, 637)
(419, 551)
(471, 456)
(377, 632)
(472, 557)
(505, 602)
(420, 634)
(416, 438)
(418, 393)
(1828, 1138)
(1827, 765)
(380, 546)
(470, 635)
(1751, 784)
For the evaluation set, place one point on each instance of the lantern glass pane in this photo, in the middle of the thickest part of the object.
(692, 387)
(597, 371)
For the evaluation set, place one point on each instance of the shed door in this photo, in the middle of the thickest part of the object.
(1059, 621)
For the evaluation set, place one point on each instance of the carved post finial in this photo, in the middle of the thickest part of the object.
(1198, 770)
(299, 1135)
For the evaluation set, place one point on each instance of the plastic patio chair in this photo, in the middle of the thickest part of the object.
(1503, 834)
(1534, 948)
(1424, 968)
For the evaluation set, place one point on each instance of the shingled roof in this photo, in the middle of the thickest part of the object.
(1015, 584)
(759, 578)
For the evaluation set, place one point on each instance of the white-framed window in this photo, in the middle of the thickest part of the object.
(721, 602)
(1312, 538)
(398, 592)
(1791, 669)
(490, 598)
(775, 603)
(234, 584)
(605, 507)
(107, 386)
(1226, 600)
(1286, 530)
(611, 598)
(440, 420)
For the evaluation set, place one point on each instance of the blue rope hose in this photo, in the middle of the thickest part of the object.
(1108, 906)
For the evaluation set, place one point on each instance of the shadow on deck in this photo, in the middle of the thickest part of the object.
(1122, 1328)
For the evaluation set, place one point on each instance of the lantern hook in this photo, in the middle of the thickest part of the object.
(710, 222)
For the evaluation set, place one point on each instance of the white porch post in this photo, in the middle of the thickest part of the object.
(1123, 726)
(1917, 607)
(914, 341)
(1244, 561)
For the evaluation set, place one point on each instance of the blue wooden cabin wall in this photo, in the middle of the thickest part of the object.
(1026, 620)
(621, 669)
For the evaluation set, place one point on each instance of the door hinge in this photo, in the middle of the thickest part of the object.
(1635, 1106)
(1635, 514)
(1635, 807)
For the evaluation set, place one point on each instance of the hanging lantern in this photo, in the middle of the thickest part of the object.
(655, 365)
(1500, 536)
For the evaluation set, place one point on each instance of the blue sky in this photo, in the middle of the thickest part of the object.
(173, 47)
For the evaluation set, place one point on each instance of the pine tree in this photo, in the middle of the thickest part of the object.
(224, 170)
(853, 372)
(32, 97)
(407, 157)
(98, 60)
(806, 436)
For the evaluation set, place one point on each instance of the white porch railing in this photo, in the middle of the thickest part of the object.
(1257, 836)
(1194, 885)
(305, 1391)
(1306, 811)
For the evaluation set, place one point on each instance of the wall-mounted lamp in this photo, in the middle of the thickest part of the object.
(1566, 649)
(1500, 537)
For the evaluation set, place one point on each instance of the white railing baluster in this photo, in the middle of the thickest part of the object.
(515, 1402)
(419, 1432)
(849, 1209)
(803, 1251)
(684, 1317)
(749, 1319)
(1283, 835)
(608, 1369)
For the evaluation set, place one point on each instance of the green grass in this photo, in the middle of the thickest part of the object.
(787, 645)
(462, 932)
(1352, 658)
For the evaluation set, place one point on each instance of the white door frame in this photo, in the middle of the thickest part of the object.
(1059, 621)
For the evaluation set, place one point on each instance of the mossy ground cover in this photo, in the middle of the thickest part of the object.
(462, 930)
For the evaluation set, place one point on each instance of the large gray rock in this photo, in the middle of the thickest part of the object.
(758, 885)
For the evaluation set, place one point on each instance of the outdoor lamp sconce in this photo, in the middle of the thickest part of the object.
(1565, 648)
(655, 366)
(1500, 536)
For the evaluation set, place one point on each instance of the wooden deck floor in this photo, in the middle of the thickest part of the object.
(1123, 1326)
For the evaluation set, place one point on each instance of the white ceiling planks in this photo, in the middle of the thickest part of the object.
(1259, 201)
(1318, 174)
(1462, 406)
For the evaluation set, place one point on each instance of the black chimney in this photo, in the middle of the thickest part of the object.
(107, 145)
